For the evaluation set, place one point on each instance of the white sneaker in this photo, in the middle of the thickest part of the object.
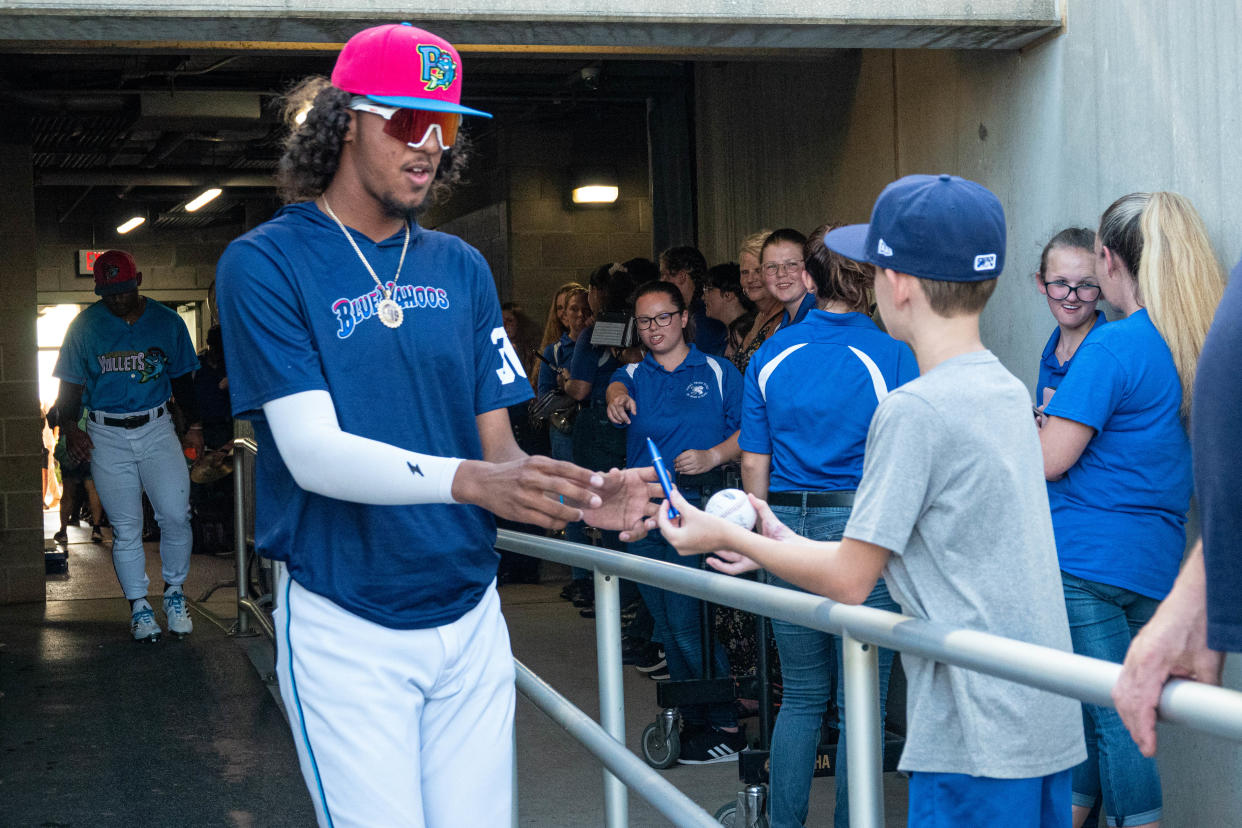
(142, 623)
(179, 622)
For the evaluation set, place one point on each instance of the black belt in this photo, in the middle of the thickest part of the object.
(807, 500)
(133, 421)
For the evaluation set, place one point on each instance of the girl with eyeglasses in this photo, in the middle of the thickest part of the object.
(1117, 460)
(785, 276)
(689, 403)
(1066, 278)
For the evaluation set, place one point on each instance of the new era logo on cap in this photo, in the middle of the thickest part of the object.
(985, 261)
(883, 249)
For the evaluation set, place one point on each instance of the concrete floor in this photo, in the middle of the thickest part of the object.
(560, 783)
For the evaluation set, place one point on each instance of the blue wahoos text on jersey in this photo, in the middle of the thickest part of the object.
(352, 312)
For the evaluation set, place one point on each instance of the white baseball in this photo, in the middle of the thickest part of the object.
(734, 506)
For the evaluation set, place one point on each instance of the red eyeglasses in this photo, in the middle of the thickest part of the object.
(413, 126)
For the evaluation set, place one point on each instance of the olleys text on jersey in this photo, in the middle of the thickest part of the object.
(352, 312)
(147, 365)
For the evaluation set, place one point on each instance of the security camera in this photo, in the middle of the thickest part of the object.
(590, 77)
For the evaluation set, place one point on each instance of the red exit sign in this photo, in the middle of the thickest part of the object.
(86, 261)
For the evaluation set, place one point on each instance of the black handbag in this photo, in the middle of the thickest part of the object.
(555, 409)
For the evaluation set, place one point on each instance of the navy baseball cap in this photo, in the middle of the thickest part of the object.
(938, 227)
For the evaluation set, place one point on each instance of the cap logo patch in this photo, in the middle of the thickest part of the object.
(439, 68)
(883, 249)
(985, 261)
(111, 271)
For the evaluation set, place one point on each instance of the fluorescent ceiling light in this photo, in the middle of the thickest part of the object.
(595, 194)
(205, 197)
(130, 225)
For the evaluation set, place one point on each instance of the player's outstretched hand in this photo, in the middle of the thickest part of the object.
(519, 490)
(78, 444)
(1173, 644)
(625, 502)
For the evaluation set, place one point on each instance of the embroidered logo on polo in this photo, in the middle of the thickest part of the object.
(696, 390)
(439, 68)
(350, 313)
(145, 365)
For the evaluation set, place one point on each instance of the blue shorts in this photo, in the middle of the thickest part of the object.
(955, 800)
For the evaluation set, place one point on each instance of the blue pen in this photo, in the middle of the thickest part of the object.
(662, 473)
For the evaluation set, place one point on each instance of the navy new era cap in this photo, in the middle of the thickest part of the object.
(938, 227)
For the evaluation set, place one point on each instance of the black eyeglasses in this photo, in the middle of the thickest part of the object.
(661, 321)
(1085, 292)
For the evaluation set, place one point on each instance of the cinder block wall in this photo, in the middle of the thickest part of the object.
(21, 517)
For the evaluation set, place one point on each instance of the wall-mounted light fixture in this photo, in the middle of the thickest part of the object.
(130, 224)
(594, 187)
(205, 197)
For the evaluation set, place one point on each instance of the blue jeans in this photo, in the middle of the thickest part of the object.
(1103, 620)
(677, 626)
(809, 659)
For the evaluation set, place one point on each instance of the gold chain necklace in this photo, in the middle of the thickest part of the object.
(388, 311)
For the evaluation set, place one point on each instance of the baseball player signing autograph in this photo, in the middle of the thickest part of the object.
(371, 355)
(125, 356)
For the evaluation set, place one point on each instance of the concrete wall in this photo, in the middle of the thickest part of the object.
(21, 521)
(1134, 96)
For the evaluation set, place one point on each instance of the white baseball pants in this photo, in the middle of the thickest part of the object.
(124, 463)
(398, 727)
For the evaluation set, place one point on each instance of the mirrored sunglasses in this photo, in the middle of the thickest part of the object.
(413, 126)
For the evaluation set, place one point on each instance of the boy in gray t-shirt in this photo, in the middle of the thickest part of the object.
(952, 510)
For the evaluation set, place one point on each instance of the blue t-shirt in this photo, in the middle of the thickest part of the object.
(710, 335)
(1216, 432)
(297, 313)
(593, 364)
(1052, 370)
(1120, 512)
(695, 406)
(810, 392)
(806, 306)
(125, 368)
(558, 353)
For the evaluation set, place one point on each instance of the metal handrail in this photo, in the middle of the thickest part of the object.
(1198, 706)
(1195, 705)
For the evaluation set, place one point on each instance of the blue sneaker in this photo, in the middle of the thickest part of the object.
(179, 622)
(142, 623)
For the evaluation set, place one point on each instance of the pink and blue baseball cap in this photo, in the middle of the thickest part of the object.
(401, 65)
(938, 227)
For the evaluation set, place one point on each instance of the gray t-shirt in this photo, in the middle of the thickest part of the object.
(953, 484)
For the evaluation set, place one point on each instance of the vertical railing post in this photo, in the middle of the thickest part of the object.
(611, 688)
(864, 740)
(242, 466)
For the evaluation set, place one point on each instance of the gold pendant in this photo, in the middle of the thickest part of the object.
(390, 313)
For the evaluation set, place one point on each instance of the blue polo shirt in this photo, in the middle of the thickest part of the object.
(806, 306)
(125, 368)
(810, 392)
(558, 353)
(710, 335)
(1120, 512)
(297, 310)
(695, 406)
(1052, 370)
(593, 364)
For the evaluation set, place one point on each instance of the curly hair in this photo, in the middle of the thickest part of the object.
(312, 150)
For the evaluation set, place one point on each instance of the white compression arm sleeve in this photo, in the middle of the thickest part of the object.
(328, 461)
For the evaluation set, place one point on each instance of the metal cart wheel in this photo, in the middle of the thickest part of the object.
(727, 815)
(660, 751)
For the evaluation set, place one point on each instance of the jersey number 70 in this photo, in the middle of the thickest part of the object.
(510, 365)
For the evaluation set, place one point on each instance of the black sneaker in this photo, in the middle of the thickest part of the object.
(655, 661)
(661, 674)
(711, 746)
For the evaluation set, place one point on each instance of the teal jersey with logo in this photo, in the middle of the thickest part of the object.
(126, 368)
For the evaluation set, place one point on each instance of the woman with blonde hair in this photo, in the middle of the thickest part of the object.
(556, 326)
(768, 309)
(1117, 459)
